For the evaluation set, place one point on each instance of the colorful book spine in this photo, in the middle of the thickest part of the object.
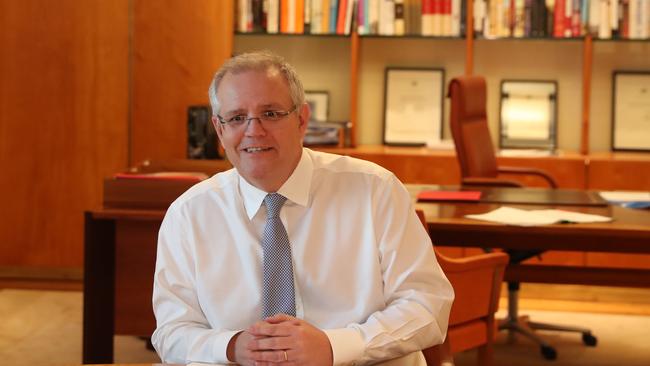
(558, 13)
(604, 28)
(427, 17)
(400, 22)
(361, 17)
(334, 11)
(349, 13)
(340, 18)
(325, 20)
(456, 9)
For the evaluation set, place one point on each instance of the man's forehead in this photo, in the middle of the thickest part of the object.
(262, 84)
(270, 72)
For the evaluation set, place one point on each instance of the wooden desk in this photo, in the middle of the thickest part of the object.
(629, 232)
(120, 257)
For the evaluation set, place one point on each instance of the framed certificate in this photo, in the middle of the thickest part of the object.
(631, 111)
(413, 106)
(528, 114)
(319, 104)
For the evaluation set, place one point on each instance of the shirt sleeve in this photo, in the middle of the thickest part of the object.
(417, 294)
(182, 334)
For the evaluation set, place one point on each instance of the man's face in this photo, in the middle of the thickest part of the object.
(264, 153)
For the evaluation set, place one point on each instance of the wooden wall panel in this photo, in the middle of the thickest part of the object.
(177, 47)
(63, 122)
(619, 171)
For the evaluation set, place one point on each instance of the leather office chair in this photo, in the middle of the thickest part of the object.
(477, 284)
(478, 167)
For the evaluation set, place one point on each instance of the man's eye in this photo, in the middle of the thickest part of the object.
(272, 114)
(240, 118)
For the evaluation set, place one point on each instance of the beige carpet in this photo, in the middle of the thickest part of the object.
(44, 328)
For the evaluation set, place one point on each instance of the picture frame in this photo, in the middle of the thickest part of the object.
(413, 106)
(528, 114)
(318, 101)
(630, 111)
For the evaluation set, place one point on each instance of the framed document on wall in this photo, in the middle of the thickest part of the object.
(631, 111)
(528, 114)
(413, 106)
(318, 101)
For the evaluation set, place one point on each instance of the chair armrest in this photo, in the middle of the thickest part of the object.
(489, 182)
(439, 355)
(528, 171)
(473, 263)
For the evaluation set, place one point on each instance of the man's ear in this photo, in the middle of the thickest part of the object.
(303, 116)
(217, 126)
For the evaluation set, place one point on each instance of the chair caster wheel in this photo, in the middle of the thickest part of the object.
(589, 339)
(548, 352)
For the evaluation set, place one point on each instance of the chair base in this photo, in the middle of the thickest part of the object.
(521, 325)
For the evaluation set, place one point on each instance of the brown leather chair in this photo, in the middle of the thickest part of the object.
(478, 167)
(477, 284)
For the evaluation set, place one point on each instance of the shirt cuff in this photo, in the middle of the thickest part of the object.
(347, 345)
(221, 345)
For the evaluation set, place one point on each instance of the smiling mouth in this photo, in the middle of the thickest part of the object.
(256, 149)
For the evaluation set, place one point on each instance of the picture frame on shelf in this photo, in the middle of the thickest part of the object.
(631, 110)
(202, 139)
(413, 106)
(318, 101)
(528, 114)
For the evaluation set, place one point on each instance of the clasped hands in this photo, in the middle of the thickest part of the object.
(281, 340)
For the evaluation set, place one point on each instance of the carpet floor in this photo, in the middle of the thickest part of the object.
(44, 328)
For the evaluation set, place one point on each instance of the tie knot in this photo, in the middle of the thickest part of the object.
(274, 202)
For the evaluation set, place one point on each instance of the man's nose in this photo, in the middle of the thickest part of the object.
(254, 127)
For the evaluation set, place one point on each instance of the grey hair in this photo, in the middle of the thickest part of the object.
(258, 61)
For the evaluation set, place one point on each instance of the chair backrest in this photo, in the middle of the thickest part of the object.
(469, 127)
(477, 284)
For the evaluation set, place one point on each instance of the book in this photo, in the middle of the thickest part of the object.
(426, 196)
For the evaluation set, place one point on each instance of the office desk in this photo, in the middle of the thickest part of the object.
(120, 257)
(629, 232)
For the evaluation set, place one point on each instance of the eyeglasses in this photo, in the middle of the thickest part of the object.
(268, 119)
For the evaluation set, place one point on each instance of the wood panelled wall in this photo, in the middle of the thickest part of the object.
(86, 89)
(177, 47)
(63, 122)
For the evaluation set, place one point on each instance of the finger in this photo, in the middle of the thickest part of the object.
(270, 343)
(279, 318)
(271, 330)
(269, 356)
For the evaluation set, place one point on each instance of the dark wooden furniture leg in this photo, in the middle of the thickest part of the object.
(99, 290)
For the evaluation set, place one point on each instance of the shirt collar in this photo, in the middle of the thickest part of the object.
(296, 189)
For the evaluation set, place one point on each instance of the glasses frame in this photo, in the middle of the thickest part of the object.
(240, 124)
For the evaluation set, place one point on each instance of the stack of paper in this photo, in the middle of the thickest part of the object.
(515, 216)
(628, 199)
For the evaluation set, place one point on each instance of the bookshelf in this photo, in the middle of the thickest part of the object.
(585, 81)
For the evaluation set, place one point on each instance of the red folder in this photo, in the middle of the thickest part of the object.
(181, 176)
(449, 196)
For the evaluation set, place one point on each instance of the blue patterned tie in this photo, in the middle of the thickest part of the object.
(277, 281)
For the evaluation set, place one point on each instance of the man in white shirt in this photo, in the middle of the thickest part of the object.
(364, 283)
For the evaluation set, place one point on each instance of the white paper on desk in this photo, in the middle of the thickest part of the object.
(518, 217)
(625, 196)
(206, 364)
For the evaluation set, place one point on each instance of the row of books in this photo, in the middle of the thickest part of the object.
(605, 19)
(367, 17)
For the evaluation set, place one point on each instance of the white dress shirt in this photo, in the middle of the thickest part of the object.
(364, 269)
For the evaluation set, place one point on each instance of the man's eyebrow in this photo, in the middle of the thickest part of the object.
(270, 105)
(235, 111)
